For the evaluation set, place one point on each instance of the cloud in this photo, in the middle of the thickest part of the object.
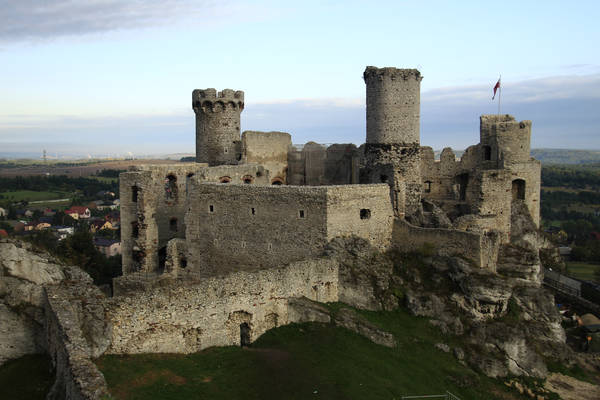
(34, 19)
(563, 111)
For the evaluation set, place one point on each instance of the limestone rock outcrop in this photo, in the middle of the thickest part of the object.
(22, 273)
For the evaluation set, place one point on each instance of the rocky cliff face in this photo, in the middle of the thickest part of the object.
(22, 275)
(507, 320)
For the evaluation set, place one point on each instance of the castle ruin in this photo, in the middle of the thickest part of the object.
(253, 200)
(218, 251)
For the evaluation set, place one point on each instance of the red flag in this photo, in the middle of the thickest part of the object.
(496, 87)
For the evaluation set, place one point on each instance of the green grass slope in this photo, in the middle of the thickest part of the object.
(307, 361)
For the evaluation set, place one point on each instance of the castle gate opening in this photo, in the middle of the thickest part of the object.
(245, 334)
(518, 189)
(462, 180)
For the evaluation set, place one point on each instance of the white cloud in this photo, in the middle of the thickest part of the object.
(40, 20)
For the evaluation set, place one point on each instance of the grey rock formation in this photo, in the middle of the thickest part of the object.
(349, 319)
(22, 273)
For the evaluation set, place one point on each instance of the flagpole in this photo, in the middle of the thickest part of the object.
(499, 93)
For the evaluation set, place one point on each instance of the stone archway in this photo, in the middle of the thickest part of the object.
(518, 189)
(245, 335)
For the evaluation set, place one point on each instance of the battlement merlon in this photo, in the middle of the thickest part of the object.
(392, 73)
(200, 96)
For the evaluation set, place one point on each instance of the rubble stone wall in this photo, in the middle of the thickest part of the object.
(264, 226)
(479, 249)
(188, 316)
(269, 149)
(159, 215)
(77, 377)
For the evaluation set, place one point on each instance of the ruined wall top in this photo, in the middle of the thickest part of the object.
(392, 73)
(502, 121)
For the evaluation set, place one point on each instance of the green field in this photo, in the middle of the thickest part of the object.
(27, 378)
(30, 195)
(582, 270)
(104, 179)
(302, 361)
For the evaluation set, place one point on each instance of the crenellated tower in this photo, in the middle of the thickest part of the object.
(218, 125)
(392, 150)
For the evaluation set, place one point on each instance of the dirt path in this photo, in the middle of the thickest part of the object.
(569, 388)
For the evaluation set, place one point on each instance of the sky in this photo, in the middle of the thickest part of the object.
(108, 77)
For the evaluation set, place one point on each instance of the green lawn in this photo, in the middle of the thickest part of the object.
(27, 378)
(582, 270)
(307, 361)
(30, 195)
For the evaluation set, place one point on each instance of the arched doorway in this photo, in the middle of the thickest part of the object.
(245, 334)
(518, 189)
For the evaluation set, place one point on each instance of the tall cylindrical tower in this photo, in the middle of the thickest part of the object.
(218, 125)
(393, 105)
(392, 150)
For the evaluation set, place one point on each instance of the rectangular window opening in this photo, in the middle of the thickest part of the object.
(134, 194)
(365, 213)
(301, 213)
(253, 210)
(211, 208)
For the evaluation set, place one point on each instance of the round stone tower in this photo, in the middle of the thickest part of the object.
(392, 150)
(218, 125)
(393, 105)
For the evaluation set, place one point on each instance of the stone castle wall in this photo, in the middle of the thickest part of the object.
(482, 250)
(269, 149)
(188, 316)
(160, 204)
(316, 165)
(247, 227)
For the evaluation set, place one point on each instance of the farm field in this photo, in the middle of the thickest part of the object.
(30, 195)
(582, 270)
(72, 169)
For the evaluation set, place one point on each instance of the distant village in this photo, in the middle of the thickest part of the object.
(100, 217)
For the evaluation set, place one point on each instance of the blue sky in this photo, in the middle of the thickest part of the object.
(115, 76)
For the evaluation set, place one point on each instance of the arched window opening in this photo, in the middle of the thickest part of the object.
(135, 230)
(427, 187)
(173, 224)
(248, 179)
(134, 194)
(277, 181)
(487, 153)
(138, 256)
(171, 187)
(162, 259)
(224, 179)
(183, 262)
(518, 189)
(462, 180)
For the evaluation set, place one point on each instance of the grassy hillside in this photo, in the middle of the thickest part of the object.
(310, 360)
